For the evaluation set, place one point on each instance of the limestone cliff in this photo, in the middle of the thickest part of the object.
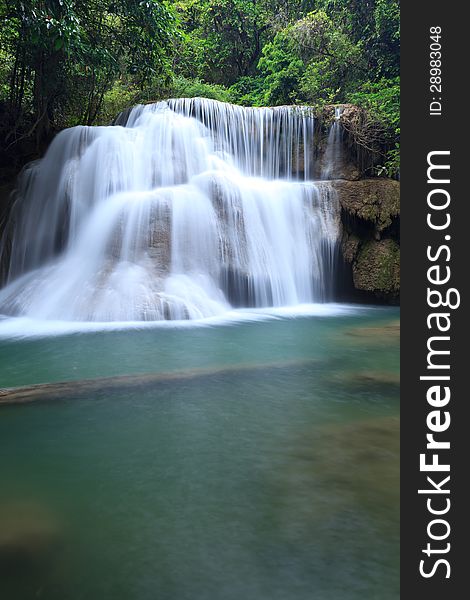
(370, 213)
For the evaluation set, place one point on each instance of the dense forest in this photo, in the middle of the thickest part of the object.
(70, 62)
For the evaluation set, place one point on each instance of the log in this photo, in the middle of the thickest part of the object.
(75, 389)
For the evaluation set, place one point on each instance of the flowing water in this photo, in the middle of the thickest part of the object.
(333, 153)
(206, 423)
(190, 209)
(262, 464)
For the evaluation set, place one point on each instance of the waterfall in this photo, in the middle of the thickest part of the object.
(182, 210)
(333, 153)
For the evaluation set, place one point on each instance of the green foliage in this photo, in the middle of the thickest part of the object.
(248, 91)
(282, 68)
(123, 94)
(64, 55)
(223, 38)
(194, 88)
(65, 62)
(115, 100)
(310, 61)
(374, 23)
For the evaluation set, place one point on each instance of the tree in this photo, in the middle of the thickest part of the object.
(309, 61)
(223, 38)
(67, 53)
(68, 62)
(374, 23)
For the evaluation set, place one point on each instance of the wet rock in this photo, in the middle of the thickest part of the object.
(377, 268)
(159, 236)
(340, 472)
(240, 288)
(29, 535)
(361, 459)
(349, 246)
(379, 377)
(374, 200)
(347, 170)
(389, 332)
(343, 169)
(369, 378)
(370, 216)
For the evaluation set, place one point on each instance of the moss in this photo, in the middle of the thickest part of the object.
(373, 200)
(350, 245)
(377, 267)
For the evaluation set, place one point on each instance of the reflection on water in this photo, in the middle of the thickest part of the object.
(273, 482)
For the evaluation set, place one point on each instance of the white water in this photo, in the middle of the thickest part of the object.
(333, 154)
(192, 208)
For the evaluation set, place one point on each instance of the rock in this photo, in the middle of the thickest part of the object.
(298, 161)
(159, 236)
(364, 136)
(389, 333)
(349, 246)
(369, 379)
(374, 200)
(352, 116)
(347, 170)
(327, 113)
(361, 460)
(339, 470)
(155, 240)
(28, 534)
(377, 268)
(370, 213)
(376, 377)
(343, 167)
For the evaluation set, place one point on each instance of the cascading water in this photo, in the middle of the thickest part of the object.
(190, 208)
(333, 153)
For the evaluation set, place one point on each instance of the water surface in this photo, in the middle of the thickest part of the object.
(270, 473)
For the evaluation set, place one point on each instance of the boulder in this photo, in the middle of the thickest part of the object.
(377, 268)
(376, 201)
(28, 533)
(349, 246)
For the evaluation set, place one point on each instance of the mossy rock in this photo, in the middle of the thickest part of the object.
(350, 246)
(389, 333)
(374, 200)
(377, 267)
(339, 470)
(368, 378)
(327, 112)
(29, 535)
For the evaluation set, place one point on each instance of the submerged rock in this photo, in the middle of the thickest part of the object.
(361, 460)
(29, 536)
(370, 378)
(389, 332)
(341, 476)
(380, 377)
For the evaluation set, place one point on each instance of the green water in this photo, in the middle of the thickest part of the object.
(271, 474)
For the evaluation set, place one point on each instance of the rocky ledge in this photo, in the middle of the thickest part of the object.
(370, 214)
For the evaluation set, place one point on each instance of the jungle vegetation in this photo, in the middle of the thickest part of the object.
(69, 62)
